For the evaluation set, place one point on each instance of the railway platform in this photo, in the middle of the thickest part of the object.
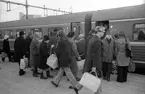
(12, 83)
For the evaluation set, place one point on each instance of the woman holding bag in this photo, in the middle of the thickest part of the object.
(64, 53)
(44, 54)
(122, 57)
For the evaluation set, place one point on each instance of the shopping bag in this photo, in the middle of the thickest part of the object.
(26, 62)
(81, 64)
(6, 59)
(131, 67)
(22, 64)
(90, 81)
(52, 61)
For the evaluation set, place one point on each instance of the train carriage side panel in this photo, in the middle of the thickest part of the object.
(138, 47)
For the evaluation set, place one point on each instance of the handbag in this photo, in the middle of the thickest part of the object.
(131, 67)
(22, 64)
(127, 50)
(52, 60)
(81, 64)
(91, 82)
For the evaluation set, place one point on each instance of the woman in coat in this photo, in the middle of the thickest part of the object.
(34, 54)
(121, 58)
(75, 55)
(64, 54)
(44, 54)
(6, 46)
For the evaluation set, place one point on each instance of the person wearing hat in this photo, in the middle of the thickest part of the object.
(44, 54)
(93, 61)
(121, 59)
(6, 46)
(108, 53)
(20, 50)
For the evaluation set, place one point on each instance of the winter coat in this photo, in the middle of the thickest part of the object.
(34, 52)
(44, 54)
(108, 50)
(93, 56)
(63, 52)
(6, 46)
(28, 42)
(20, 48)
(121, 58)
(81, 46)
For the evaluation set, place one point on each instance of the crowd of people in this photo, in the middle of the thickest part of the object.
(98, 56)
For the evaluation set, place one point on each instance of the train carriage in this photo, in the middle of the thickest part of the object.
(129, 19)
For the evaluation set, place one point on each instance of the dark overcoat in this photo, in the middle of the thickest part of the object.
(20, 48)
(63, 52)
(93, 56)
(6, 46)
(44, 54)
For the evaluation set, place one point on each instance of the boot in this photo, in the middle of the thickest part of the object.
(42, 77)
(48, 74)
(21, 72)
(35, 74)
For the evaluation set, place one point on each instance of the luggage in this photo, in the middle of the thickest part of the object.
(23, 63)
(91, 82)
(131, 67)
(52, 61)
(81, 64)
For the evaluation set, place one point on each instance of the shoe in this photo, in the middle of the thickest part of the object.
(108, 79)
(35, 75)
(54, 84)
(70, 87)
(21, 72)
(42, 77)
(48, 75)
(76, 90)
(78, 79)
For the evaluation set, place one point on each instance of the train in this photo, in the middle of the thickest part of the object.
(130, 19)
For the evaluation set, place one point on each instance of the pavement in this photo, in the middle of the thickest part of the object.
(12, 83)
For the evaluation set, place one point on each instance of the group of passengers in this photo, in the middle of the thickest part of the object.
(98, 56)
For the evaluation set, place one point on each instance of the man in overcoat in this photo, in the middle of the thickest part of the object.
(20, 50)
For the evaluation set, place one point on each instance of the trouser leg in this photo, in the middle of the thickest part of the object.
(125, 69)
(72, 79)
(104, 69)
(58, 77)
(108, 70)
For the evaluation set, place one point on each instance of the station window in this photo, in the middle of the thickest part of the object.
(139, 32)
(37, 31)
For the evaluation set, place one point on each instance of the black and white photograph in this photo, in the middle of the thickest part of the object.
(72, 46)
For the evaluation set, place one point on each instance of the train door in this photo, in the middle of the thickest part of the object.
(76, 28)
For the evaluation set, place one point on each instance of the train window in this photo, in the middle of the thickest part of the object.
(52, 29)
(37, 31)
(139, 32)
(10, 34)
(1, 34)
